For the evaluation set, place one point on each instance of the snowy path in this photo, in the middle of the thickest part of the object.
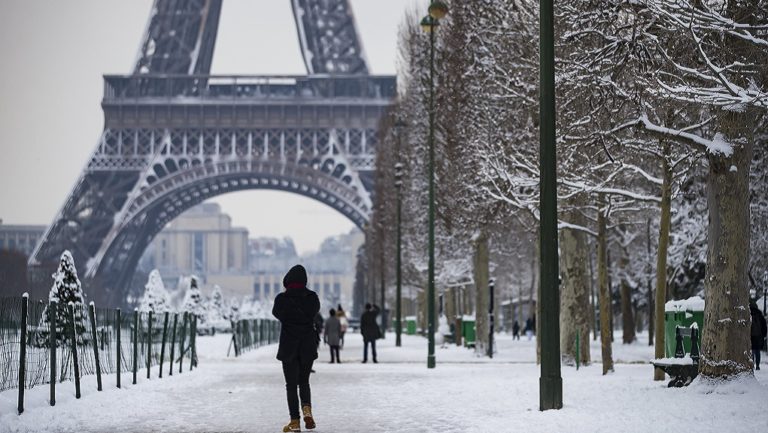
(463, 394)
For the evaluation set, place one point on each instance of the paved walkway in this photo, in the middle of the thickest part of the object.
(463, 394)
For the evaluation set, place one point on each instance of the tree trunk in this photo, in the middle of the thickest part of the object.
(661, 259)
(611, 326)
(593, 305)
(627, 318)
(725, 351)
(481, 274)
(605, 295)
(574, 294)
(650, 289)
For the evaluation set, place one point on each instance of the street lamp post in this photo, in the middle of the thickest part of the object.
(429, 23)
(491, 286)
(399, 295)
(383, 288)
(550, 382)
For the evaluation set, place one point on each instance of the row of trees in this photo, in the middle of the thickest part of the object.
(661, 177)
(211, 311)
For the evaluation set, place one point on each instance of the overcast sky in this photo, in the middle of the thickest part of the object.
(51, 61)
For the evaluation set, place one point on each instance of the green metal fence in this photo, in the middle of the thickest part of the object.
(42, 343)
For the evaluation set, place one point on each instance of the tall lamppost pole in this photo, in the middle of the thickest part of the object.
(399, 125)
(399, 273)
(437, 10)
(383, 288)
(550, 382)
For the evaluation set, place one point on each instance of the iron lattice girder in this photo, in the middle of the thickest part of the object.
(169, 125)
(179, 38)
(86, 217)
(328, 37)
(181, 34)
(165, 200)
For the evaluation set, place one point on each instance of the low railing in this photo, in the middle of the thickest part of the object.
(250, 334)
(119, 88)
(46, 343)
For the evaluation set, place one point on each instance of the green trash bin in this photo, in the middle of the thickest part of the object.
(468, 330)
(410, 325)
(683, 313)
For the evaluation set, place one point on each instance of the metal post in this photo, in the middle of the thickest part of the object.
(118, 349)
(399, 296)
(165, 339)
(149, 343)
(73, 335)
(551, 382)
(235, 331)
(192, 343)
(181, 341)
(23, 350)
(52, 313)
(92, 314)
(383, 283)
(135, 344)
(491, 287)
(173, 343)
(431, 240)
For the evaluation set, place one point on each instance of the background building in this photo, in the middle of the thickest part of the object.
(203, 242)
(331, 270)
(21, 238)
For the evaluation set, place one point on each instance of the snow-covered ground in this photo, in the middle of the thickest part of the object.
(464, 393)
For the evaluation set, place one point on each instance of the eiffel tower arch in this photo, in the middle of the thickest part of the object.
(174, 136)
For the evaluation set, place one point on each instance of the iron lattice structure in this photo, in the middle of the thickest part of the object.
(175, 136)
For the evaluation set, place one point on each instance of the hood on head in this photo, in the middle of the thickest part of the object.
(296, 278)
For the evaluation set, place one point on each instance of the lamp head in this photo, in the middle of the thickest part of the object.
(428, 23)
(438, 10)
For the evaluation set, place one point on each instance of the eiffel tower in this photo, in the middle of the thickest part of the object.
(174, 136)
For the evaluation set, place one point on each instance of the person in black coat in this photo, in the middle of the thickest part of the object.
(296, 309)
(370, 330)
(516, 331)
(758, 332)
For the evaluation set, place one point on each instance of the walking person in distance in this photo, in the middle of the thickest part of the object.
(344, 322)
(332, 335)
(757, 332)
(370, 330)
(296, 309)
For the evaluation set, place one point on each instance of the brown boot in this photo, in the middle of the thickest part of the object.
(309, 421)
(292, 426)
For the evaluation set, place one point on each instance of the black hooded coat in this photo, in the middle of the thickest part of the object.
(296, 309)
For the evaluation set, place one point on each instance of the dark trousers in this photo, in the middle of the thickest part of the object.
(296, 374)
(335, 354)
(756, 357)
(373, 350)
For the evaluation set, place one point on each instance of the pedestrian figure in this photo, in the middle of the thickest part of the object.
(332, 335)
(344, 323)
(529, 328)
(370, 330)
(758, 332)
(516, 331)
(296, 309)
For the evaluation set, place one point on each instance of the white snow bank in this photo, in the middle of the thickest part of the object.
(686, 360)
(694, 303)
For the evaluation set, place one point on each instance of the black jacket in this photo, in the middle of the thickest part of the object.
(368, 326)
(296, 309)
(758, 322)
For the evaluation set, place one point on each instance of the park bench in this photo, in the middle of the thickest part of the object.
(683, 367)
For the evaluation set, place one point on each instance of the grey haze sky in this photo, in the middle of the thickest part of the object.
(55, 52)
